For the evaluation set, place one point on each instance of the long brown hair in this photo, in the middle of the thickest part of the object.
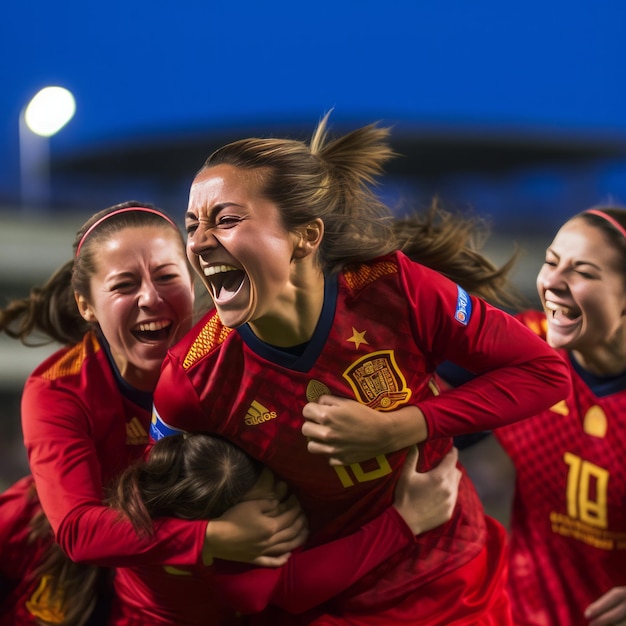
(335, 180)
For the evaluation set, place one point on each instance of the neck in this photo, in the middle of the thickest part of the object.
(603, 360)
(294, 320)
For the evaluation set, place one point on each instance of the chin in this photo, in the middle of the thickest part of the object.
(231, 319)
(558, 342)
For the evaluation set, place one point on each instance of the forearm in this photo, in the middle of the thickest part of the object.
(496, 398)
(96, 535)
(314, 576)
(408, 427)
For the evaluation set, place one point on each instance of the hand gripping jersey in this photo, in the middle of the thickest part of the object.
(384, 327)
(568, 524)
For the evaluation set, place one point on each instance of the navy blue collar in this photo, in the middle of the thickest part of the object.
(299, 358)
(140, 398)
(600, 385)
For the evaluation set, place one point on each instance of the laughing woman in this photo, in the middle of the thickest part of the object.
(568, 524)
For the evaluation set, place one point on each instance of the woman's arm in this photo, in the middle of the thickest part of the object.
(517, 375)
(422, 502)
(69, 477)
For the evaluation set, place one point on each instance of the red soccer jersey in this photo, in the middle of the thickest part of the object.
(568, 524)
(23, 596)
(80, 432)
(384, 328)
(194, 597)
(78, 425)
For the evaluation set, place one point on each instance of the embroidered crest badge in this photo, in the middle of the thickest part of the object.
(377, 381)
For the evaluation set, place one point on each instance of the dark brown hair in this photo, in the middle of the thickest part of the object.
(613, 235)
(191, 476)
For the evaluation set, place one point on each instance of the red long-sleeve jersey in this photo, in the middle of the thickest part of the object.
(23, 595)
(384, 327)
(150, 596)
(568, 524)
(81, 431)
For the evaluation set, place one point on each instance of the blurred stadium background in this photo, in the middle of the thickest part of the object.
(514, 113)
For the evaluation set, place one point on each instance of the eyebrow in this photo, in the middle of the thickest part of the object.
(214, 209)
(576, 263)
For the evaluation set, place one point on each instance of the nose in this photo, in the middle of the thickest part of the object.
(552, 278)
(201, 240)
(149, 294)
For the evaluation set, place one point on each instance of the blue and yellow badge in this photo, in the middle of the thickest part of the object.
(463, 306)
(159, 429)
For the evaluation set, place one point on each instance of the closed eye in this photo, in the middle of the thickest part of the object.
(228, 221)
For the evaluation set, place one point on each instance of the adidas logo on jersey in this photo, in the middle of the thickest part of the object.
(258, 414)
(136, 434)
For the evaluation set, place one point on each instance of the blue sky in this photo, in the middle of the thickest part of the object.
(138, 68)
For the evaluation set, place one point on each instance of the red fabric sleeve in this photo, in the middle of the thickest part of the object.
(18, 505)
(68, 474)
(313, 576)
(519, 374)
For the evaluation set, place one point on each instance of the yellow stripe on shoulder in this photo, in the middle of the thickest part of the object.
(211, 335)
(359, 276)
(72, 361)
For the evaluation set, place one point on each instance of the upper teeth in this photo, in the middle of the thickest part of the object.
(218, 269)
(152, 326)
(552, 306)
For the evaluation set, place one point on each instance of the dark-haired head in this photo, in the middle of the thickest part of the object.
(191, 476)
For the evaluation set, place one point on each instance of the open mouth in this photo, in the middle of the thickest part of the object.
(149, 332)
(224, 280)
(559, 312)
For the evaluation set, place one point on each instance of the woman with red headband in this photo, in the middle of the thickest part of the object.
(568, 524)
(125, 297)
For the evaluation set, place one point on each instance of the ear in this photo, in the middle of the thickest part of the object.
(84, 308)
(310, 239)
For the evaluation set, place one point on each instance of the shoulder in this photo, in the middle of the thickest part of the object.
(384, 268)
(205, 336)
(359, 275)
(77, 373)
(18, 503)
(69, 361)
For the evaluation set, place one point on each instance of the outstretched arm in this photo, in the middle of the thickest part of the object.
(422, 502)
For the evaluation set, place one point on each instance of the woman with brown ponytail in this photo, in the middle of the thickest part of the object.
(319, 357)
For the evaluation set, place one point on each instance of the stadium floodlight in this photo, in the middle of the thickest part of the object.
(49, 111)
(45, 115)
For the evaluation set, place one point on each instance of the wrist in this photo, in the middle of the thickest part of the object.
(408, 427)
(210, 543)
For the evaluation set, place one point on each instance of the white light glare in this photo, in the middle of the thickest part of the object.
(49, 111)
